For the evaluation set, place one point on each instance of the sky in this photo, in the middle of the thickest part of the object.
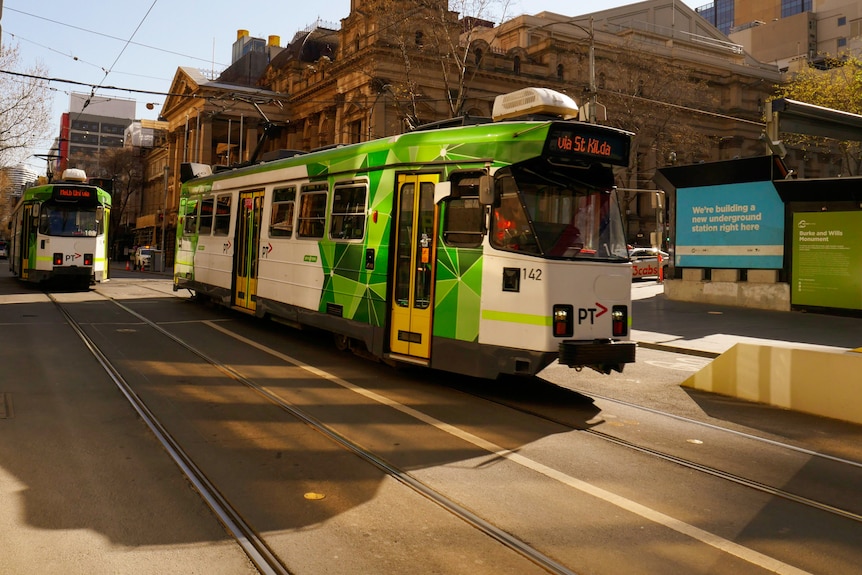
(136, 46)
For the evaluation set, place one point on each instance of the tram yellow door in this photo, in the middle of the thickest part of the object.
(248, 222)
(413, 280)
(25, 246)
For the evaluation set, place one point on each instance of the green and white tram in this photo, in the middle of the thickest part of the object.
(486, 249)
(59, 232)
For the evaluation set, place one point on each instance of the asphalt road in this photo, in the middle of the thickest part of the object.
(88, 490)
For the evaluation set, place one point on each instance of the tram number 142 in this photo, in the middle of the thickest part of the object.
(532, 274)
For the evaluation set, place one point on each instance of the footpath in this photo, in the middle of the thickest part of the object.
(806, 362)
(711, 330)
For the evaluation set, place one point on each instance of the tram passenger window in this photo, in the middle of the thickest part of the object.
(463, 222)
(190, 225)
(283, 206)
(206, 219)
(348, 213)
(221, 225)
(312, 214)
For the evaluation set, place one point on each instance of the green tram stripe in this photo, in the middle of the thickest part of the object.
(524, 318)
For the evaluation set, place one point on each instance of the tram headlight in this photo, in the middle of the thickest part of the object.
(620, 320)
(563, 324)
(58, 259)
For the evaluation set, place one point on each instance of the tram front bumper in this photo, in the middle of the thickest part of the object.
(602, 355)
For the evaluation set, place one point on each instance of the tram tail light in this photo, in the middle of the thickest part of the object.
(620, 320)
(88, 259)
(563, 323)
(58, 259)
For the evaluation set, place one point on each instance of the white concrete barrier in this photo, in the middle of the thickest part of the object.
(826, 383)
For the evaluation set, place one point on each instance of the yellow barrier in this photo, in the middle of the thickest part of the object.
(823, 383)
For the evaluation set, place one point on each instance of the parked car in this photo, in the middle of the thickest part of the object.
(142, 258)
(645, 262)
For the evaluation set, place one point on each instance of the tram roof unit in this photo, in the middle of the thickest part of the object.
(526, 115)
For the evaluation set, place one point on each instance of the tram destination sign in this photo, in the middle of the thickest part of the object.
(79, 194)
(571, 142)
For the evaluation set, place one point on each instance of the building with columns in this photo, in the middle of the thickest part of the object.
(655, 67)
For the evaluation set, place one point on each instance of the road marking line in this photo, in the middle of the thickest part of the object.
(716, 541)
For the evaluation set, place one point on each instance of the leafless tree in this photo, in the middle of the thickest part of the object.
(125, 167)
(433, 39)
(25, 108)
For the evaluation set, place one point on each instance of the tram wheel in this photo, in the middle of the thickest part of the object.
(342, 342)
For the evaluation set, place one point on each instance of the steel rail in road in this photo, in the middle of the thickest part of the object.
(255, 548)
(263, 554)
(706, 469)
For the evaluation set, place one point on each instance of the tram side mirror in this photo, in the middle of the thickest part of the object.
(487, 193)
(35, 211)
(100, 213)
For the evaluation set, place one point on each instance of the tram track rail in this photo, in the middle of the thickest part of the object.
(409, 480)
(264, 559)
(693, 465)
(254, 547)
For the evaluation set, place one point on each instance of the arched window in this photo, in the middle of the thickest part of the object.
(477, 56)
(560, 72)
(516, 66)
(419, 39)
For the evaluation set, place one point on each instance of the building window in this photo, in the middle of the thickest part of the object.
(793, 7)
(516, 66)
(419, 40)
(560, 72)
(356, 132)
(842, 42)
(112, 141)
(842, 20)
(84, 138)
(85, 126)
(113, 129)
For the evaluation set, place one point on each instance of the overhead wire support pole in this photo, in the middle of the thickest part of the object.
(593, 90)
(594, 100)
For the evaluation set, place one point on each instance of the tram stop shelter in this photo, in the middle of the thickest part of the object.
(746, 233)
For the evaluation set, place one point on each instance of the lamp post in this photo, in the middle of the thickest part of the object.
(593, 92)
(592, 52)
(164, 217)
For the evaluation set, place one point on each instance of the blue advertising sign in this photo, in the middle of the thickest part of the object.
(730, 226)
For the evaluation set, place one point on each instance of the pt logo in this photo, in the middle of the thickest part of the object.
(589, 313)
(72, 257)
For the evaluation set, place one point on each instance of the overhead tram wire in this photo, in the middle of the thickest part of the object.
(117, 59)
(209, 61)
(102, 34)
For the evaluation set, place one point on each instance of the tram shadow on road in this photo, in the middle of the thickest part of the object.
(533, 395)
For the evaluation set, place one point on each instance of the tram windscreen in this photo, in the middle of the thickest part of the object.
(557, 216)
(71, 220)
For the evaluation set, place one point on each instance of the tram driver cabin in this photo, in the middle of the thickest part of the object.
(484, 249)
